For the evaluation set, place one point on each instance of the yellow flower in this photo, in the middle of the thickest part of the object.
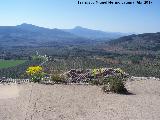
(34, 70)
(119, 70)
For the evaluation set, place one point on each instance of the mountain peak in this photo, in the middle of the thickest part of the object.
(82, 28)
(26, 25)
(78, 27)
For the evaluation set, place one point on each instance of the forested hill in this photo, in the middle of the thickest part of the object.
(141, 42)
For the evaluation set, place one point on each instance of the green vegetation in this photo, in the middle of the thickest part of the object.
(56, 78)
(10, 63)
(35, 73)
(122, 53)
(19, 70)
(64, 59)
(114, 84)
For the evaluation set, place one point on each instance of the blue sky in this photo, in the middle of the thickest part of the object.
(68, 14)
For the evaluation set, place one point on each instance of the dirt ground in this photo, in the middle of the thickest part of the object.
(79, 102)
(9, 91)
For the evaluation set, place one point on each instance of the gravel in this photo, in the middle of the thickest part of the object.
(81, 102)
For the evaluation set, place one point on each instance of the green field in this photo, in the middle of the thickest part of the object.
(10, 63)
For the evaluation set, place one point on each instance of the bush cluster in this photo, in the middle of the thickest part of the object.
(56, 78)
(114, 84)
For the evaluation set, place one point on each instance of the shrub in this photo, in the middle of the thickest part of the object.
(35, 73)
(106, 88)
(119, 70)
(114, 84)
(95, 82)
(58, 79)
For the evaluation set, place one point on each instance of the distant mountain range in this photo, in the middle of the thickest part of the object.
(31, 35)
(94, 34)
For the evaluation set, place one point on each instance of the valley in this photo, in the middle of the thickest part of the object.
(138, 55)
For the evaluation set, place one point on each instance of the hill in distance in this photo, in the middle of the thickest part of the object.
(140, 43)
(31, 35)
(94, 34)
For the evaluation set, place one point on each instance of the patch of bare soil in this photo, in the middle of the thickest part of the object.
(83, 102)
(9, 91)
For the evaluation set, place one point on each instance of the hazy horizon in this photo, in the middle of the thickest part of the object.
(68, 14)
(78, 26)
(64, 28)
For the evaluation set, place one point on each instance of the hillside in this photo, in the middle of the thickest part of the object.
(138, 55)
(148, 42)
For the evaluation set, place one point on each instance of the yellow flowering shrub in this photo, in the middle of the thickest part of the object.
(96, 72)
(35, 72)
(119, 70)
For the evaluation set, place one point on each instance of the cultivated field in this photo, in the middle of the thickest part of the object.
(80, 102)
(10, 63)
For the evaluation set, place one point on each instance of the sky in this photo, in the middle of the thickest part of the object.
(65, 14)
